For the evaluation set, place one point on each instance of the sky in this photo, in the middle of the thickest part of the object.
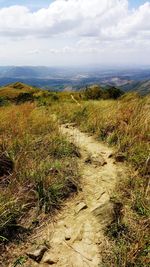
(74, 32)
(32, 4)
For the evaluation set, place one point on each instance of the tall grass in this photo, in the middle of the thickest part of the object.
(124, 123)
(44, 164)
(44, 168)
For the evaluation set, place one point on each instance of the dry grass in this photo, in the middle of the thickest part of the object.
(12, 91)
(124, 123)
(44, 164)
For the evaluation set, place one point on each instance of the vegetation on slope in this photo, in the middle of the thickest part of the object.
(12, 91)
(38, 166)
(18, 93)
(29, 134)
(141, 87)
(97, 92)
(124, 123)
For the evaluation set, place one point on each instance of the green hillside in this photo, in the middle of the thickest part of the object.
(143, 87)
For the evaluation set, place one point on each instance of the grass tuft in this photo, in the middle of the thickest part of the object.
(38, 165)
(125, 123)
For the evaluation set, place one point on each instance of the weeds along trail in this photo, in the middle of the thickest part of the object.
(39, 173)
(77, 237)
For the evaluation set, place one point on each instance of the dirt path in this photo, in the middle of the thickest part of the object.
(77, 238)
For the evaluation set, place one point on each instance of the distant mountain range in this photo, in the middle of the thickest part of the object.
(60, 79)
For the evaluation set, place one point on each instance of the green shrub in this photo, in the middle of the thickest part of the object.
(93, 92)
(24, 97)
(3, 101)
(113, 93)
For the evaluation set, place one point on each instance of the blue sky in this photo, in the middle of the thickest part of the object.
(136, 3)
(74, 32)
(35, 4)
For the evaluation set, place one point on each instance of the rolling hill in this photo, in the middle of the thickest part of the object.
(60, 79)
(13, 90)
(143, 87)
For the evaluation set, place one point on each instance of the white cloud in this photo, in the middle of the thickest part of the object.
(54, 51)
(77, 26)
(33, 52)
(103, 18)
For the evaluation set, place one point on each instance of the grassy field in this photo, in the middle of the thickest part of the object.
(125, 124)
(39, 166)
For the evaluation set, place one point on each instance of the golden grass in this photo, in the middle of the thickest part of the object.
(29, 135)
(45, 168)
(124, 123)
(12, 91)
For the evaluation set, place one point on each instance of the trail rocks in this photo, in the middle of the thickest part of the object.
(49, 259)
(68, 234)
(80, 206)
(78, 236)
(37, 254)
(96, 159)
(103, 212)
(120, 157)
(68, 125)
(110, 155)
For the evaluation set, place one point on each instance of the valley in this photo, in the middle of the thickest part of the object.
(58, 79)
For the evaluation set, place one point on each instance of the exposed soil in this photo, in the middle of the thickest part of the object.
(76, 238)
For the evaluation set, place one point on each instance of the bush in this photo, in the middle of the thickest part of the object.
(96, 92)
(112, 93)
(93, 92)
(3, 101)
(24, 97)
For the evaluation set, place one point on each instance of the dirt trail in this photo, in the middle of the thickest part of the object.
(76, 239)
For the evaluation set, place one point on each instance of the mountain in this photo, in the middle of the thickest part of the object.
(59, 78)
(12, 91)
(142, 87)
(25, 72)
